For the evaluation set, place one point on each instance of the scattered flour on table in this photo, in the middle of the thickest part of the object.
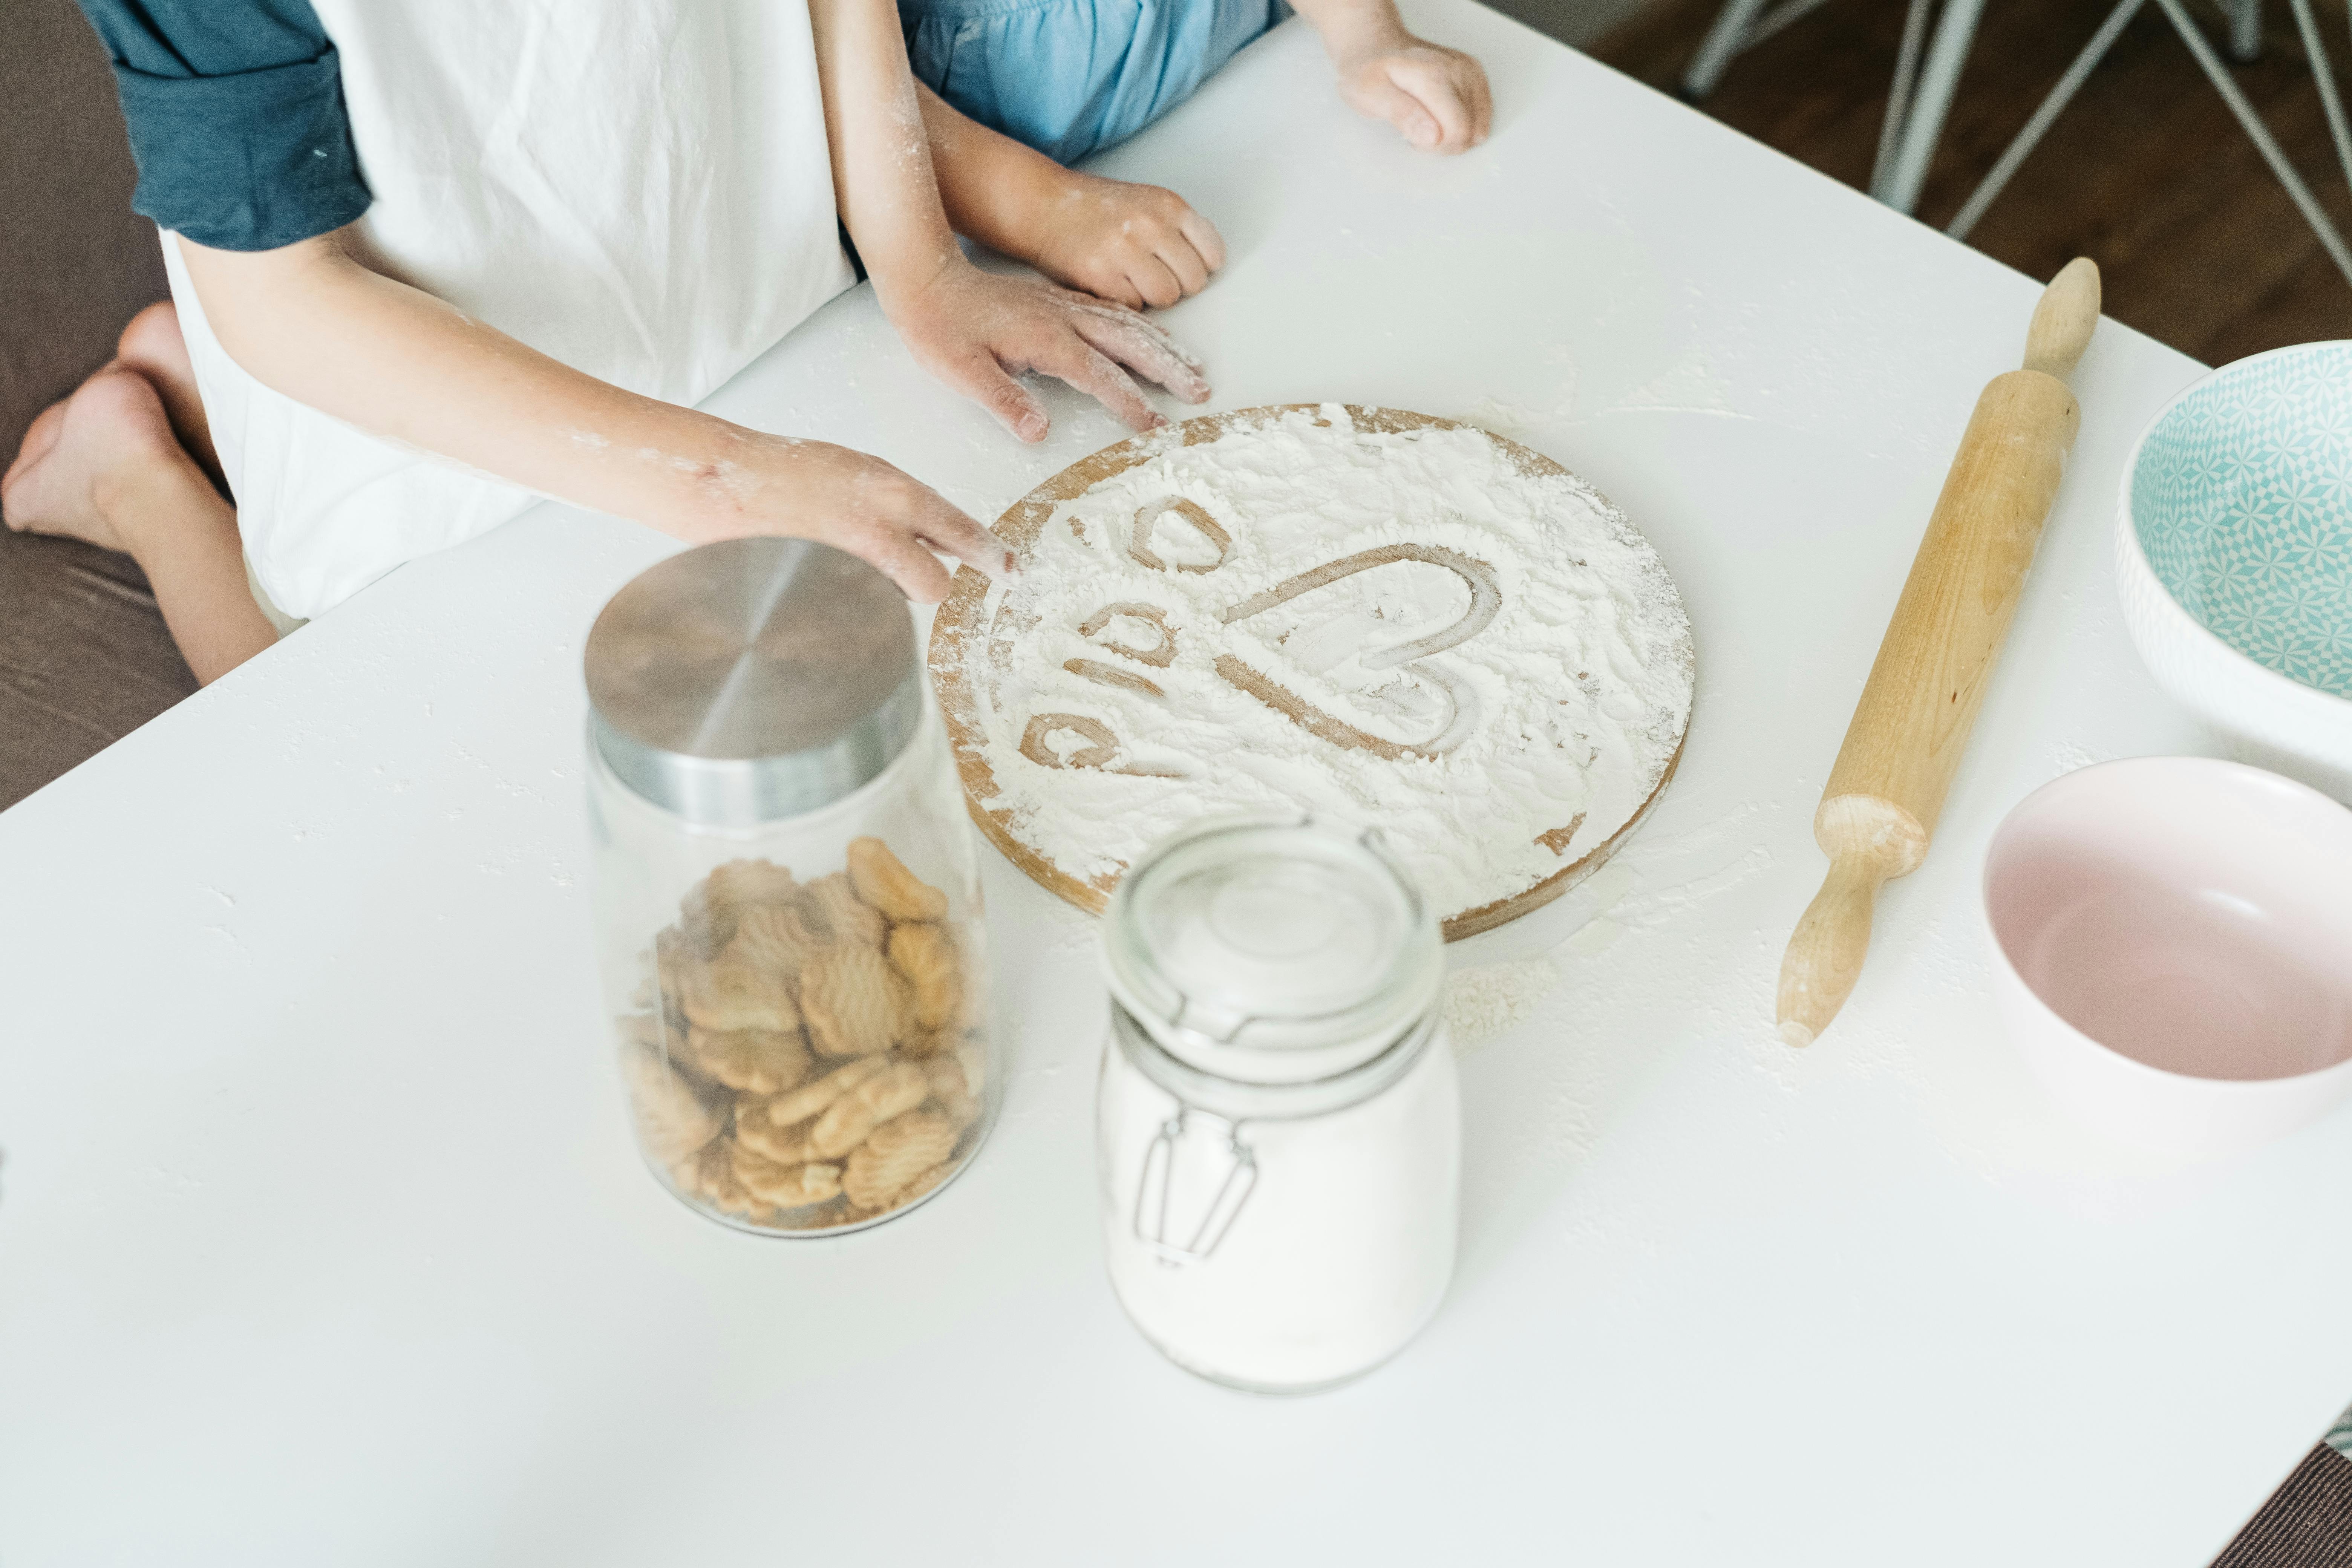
(2069, 754)
(1490, 999)
(1514, 752)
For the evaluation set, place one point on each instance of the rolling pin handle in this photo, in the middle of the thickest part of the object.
(1869, 840)
(1825, 956)
(2064, 320)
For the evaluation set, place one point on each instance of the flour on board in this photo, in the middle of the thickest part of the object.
(1407, 629)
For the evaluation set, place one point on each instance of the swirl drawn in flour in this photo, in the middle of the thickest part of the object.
(1138, 534)
(1098, 747)
(1102, 620)
(1102, 674)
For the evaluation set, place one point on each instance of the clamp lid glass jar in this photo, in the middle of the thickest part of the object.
(787, 892)
(1278, 1122)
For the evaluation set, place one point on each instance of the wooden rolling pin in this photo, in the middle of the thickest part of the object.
(1880, 808)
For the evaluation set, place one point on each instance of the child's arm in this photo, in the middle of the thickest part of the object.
(972, 330)
(314, 322)
(1139, 245)
(1437, 97)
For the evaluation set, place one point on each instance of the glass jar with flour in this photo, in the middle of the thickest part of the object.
(787, 890)
(1278, 1123)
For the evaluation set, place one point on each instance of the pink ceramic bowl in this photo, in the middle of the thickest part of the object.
(2174, 942)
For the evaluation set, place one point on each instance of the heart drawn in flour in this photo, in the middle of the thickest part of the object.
(1140, 640)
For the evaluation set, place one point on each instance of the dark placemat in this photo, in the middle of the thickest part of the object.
(2307, 1523)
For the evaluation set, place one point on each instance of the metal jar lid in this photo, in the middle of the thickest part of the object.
(758, 679)
(1271, 950)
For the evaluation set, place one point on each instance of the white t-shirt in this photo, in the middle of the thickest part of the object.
(639, 188)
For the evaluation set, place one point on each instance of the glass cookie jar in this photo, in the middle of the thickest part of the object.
(1279, 1124)
(787, 890)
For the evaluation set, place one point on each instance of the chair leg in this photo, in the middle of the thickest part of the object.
(2014, 156)
(2324, 75)
(1777, 17)
(2223, 83)
(2245, 31)
(1898, 94)
(1924, 125)
(1723, 40)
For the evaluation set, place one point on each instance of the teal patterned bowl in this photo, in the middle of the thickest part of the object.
(2233, 557)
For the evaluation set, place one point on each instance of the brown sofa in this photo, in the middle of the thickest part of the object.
(84, 658)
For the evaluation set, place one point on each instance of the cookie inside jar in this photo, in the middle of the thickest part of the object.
(812, 1054)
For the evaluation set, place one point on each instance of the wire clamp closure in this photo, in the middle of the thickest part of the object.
(1152, 1191)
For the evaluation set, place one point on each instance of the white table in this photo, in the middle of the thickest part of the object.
(322, 1241)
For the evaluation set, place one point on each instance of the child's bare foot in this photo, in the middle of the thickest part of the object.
(40, 438)
(152, 346)
(110, 429)
(1139, 245)
(105, 467)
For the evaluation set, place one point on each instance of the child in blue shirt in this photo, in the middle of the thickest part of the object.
(1068, 78)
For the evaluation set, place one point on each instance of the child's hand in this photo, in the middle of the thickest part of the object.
(1136, 245)
(775, 485)
(977, 332)
(1435, 96)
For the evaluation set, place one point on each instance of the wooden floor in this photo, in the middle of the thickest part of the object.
(2147, 172)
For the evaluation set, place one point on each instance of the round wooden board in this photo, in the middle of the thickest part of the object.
(957, 630)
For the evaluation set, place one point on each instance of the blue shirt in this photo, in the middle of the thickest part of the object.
(237, 118)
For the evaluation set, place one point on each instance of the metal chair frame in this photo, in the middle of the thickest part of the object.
(1928, 74)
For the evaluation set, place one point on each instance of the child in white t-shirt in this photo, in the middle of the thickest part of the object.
(419, 286)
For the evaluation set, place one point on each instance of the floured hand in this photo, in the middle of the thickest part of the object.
(978, 331)
(1136, 245)
(1435, 97)
(813, 489)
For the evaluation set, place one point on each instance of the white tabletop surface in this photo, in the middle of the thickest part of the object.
(322, 1240)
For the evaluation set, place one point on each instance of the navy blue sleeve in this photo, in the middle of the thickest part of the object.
(235, 110)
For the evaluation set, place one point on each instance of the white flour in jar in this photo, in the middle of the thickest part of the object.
(1103, 687)
(1339, 1256)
